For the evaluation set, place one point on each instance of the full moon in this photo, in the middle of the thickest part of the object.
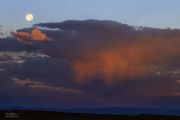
(29, 17)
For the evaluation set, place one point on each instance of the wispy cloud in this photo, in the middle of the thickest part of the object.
(1, 69)
(4, 32)
(42, 85)
(19, 57)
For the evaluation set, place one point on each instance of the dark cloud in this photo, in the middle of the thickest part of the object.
(113, 50)
(112, 63)
(12, 44)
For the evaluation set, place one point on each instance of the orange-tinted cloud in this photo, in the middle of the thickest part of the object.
(22, 35)
(109, 65)
(38, 35)
(35, 35)
(125, 61)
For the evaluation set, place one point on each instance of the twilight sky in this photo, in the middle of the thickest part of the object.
(152, 13)
(90, 53)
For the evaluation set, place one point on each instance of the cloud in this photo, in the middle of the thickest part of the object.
(112, 51)
(49, 29)
(178, 81)
(1, 34)
(36, 35)
(4, 32)
(19, 57)
(1, 69)
(175, 94)
(113, 63)
(127, 60)
(41, 85)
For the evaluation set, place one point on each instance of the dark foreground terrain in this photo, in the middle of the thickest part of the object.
(42, 115)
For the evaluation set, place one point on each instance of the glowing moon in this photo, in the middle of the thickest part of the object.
(29, 17)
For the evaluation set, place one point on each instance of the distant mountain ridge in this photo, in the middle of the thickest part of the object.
(44, 115)
(107, 110)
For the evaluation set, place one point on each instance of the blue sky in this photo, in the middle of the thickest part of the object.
(152, 13)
